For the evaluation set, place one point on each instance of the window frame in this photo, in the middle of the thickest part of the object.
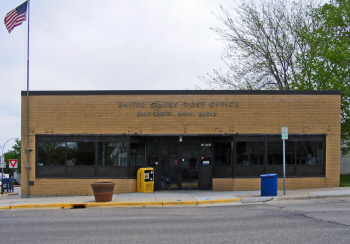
(80, 171)
(225, 171)
(292, 170)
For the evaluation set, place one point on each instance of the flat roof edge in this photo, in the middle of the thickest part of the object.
(177, 92)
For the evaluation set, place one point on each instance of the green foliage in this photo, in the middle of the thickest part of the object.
(288, 45)
(345, 150)
(344, 180)
(13, 154)
(328, 55)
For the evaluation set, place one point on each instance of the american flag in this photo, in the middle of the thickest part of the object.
(16, 16)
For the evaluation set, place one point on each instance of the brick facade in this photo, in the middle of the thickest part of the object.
(181, 113)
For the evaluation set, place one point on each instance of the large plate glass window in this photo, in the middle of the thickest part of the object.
(310, 153)
(80, 153)
(250, 156)
(81, 156)
(137, 154)
(223, 154)
(51, 153)
(112, 154)
(250, 152)
(275, 152)
(223, 159)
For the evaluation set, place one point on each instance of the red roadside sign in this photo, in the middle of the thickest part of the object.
(13, 163)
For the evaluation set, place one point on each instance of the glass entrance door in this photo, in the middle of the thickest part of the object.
(189, 167)
(169, 155)
(179, 166)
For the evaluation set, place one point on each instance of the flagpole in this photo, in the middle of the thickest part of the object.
(27, 148)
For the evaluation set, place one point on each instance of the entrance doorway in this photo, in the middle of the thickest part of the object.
(179, 166)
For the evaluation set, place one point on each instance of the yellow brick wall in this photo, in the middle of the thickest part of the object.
(254, 184)
(254, 114)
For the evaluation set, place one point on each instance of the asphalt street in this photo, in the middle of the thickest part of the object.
(312, 221)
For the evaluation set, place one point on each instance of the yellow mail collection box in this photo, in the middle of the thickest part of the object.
(145, 180)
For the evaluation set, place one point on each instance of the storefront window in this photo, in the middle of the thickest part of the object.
(69, 156)
(275, 152)
(304, 156)
(310, 153)
(152, 154)
(250, 153)
(80, 153)
(223, 152)
(51, 153)
(137, 154)
(112, 154)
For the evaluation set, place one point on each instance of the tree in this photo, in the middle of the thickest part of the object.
(285, 45)
(261, 45)
(328, 55)
(13, 154)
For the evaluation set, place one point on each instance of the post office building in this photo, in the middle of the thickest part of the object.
(212, 140)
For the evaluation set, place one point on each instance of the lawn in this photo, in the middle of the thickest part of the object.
(344, 180)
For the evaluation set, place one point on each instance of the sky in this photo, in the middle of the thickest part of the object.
(106, 45)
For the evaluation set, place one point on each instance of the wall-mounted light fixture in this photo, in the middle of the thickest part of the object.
(180, 139)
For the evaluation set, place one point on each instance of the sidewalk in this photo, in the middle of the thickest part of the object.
(12, 201)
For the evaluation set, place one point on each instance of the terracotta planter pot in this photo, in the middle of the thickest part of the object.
(103, 191)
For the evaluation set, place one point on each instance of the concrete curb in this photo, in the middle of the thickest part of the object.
(165, 203)
(5, 208)
(8, 194)
(291, 198)
(118, 204)
(179, 203)
(123, 204)
(296, 198)
(256, 199)
(41, 206)
(329, 196)
(218, 201)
